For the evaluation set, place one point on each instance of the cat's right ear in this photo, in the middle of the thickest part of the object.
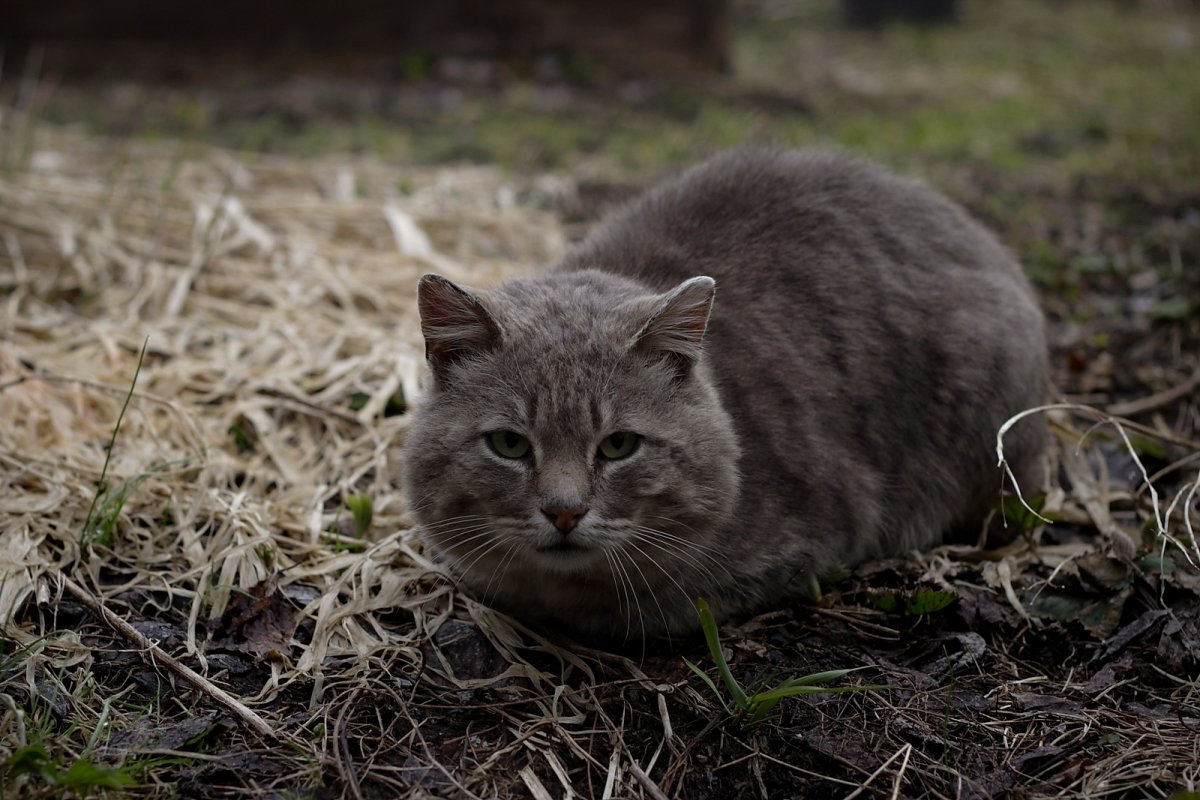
(454, 322)
(676, 328)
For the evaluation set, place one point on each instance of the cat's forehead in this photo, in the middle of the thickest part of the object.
(564, 358)
(574, 321)
(548, 390)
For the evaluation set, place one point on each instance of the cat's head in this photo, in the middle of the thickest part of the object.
(571, 435)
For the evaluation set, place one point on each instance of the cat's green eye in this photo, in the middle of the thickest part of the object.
(618, 445)
(508, 444)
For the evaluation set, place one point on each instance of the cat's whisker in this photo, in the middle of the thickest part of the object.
(673, 521)
(453, 521)
(679, 548)
(608, 378)
(697, 568)
(708, 554)
(502, 567)
(687, 599)
(621, 592)
(708, 551)
(423, 502)
(460, 539)
(451, 533)
(636, 600)
(682, 559)
(646, 582)
(479, 552)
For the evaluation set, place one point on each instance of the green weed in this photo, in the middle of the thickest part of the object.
(82, 776)
(753, 707)
(1026, 515)
(101, 526)
(89, 528)
(362, 507)
(920, 603)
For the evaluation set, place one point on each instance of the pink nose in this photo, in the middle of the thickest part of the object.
(565, 519)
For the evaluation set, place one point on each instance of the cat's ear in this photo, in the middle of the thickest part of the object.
(454, 322)
(676, 325)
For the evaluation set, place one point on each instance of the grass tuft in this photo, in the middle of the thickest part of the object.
(101, 528)
(753, 707)
(362, 508)
(82, 776)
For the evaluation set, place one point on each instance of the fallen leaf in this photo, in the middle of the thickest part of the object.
(1053, 704)
(148, 733)
(980, 609)
(1119, 640)
(1098, 614)
(259, 621)
(1107, 675)
(1179, 642)
(1104, 571)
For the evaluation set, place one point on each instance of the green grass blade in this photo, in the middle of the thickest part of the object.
(709, 624)
(761, 708)
(87, 522)
(708, 681)
(83, 776)
(362, 507)
(817, 677)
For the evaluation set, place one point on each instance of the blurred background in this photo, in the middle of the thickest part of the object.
(1071, 126)
(1106, 86)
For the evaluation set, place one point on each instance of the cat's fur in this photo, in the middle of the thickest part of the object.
(867, 340)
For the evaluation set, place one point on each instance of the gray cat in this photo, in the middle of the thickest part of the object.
(603, 444)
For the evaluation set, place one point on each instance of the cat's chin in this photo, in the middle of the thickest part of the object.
(567, 560)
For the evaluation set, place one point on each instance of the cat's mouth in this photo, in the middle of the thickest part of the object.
(563, 546)
(567, 557)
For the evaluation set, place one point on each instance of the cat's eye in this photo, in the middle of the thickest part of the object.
(508, 444)
(618, 445)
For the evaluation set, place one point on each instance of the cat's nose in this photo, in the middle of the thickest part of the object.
(565, 519)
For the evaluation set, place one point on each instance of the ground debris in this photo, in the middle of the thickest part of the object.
(259, 622)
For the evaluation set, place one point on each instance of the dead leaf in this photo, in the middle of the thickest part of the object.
(981, 609)
(1133, 630)
(1107, 675)
(150, 734)
(259, 622)
(1179, 642)
(1099, 615)
(1104, 571)
(1052, 704)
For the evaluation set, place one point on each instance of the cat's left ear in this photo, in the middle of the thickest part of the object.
(454, 321)
(676, 326)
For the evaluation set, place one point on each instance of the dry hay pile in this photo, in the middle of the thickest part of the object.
(275, 301)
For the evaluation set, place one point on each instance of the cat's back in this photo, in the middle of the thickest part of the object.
(766, 210)
(868, 337)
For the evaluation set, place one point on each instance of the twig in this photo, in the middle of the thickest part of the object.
(345, 761)
(905, 750)
(803, 771)
(1158, 400)
(649, 785)
(310, 407)
(871, 629)
(534, 784)
(197, 680)
(1104, 416)
(900, 773)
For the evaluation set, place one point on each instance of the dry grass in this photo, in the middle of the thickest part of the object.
(276, 297)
